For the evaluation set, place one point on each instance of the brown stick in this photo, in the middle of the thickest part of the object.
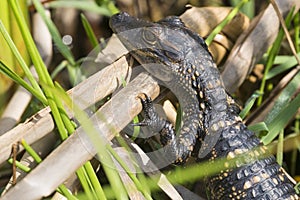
(89, 91)
(78, 149)
(253, 44)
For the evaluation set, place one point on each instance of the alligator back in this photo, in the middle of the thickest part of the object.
(260, 178)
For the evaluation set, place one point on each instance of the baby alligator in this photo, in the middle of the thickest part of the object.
(179, 59)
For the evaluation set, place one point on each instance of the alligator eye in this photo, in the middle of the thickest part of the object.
(149, 36)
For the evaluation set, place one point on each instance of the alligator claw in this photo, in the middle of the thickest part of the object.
(147, 108)
(146, 101)
(151, 117)
(142, 123)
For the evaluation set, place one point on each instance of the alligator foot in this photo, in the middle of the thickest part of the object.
(151, 117)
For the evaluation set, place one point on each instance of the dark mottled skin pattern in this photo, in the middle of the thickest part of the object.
(180, 60)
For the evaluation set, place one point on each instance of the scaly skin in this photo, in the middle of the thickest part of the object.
(180, 60)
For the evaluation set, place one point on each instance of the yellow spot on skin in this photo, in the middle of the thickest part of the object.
(186, 129)
(256, 153)
(292, 197)
(247, 185)
(189, 70)
(251, 154)
(202, 105)
(197, 73)
(228, 123)
(210, 85)
(214, 127)
(238, 127)
(226, 164)
(264, 147)
(201, 94)
(221, 124)
(233, 188)
(275, 181)
(265, 176)
(263, 150)
(230, 155)
(238, 151)
(256, 179)
(225, 174)
(238, 118)
(213, 152)
(281, 177)
(281, 169)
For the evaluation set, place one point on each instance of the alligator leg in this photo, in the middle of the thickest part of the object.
(179, 148)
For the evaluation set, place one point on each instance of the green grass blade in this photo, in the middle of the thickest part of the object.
(40, 67)
(19, 165)
(273, 52)
(295, 151)
(280, 122)
(59, 68)
(6, 55)
(64, 50)
(90, 6)
(137, 183)
(28, 40)
(248, 8)
(64, 190)
(109, 4)
(94, 181)
(297, 188)
(284, 99)
(297, 31)
(88, 180)
(19, 58)
(16, 34)
(282, 110)
(195, 172)
(31, 152)
(286, 63)
(227, 19)
(280, 59)
(89, 31)
(136, 129)
(279, 155)
(84, 183)
(261, 128)
(98, 143)
(249, 104)
(15, 77)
